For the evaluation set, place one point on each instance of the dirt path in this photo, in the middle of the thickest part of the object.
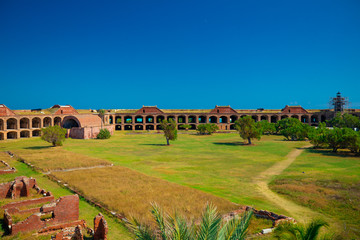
(79, 168)
(300, 213)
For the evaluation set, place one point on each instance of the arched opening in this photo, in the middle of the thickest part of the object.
(139, 127)
(111, 120)
(70, 123)
(1, 124)
(284, 116)
(181, 119)
(57, 121)
(171, 117)
(24, 123)
(295, 116)
(36, 122)
(233, 118)
(139, 119)
(158, 127)
(47, 122)
(160, 118)
(24, 134)
(118, 119)
(255, 118)
(202, 119)
(314, 119)
(180, 127)
(150, 127)
(232, 126)
(274, 119)
(149, 119)
(192, 126)
(1, 136)
(128, 119)
(323, 118)
(223, 119)
(128, 128)
(192, 119)
(12, 135)
(118, 127)
(264, 117)
(304, 119)
(243, 116)
(36, 133)
(212, 119)
(11, 123)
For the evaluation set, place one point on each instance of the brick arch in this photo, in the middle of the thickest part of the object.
(70, 122)
(57, 121)
(223, 119)
(12, 135)
(47, 121)
(24, 122)
(305, 119)
(274, 118)
(2, 136)
(11, 123)
(24, 134)
(1, 124)
(36, 122)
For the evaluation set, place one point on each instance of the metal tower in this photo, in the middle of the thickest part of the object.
(339, 103)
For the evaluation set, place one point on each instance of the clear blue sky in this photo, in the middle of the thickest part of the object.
(178, 54)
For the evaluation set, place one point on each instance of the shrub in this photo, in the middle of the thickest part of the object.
(103, 134)
(54, 135)
(208, 128)
(248, 129)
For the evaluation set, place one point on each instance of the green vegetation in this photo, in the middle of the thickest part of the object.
(185, 126)
(207, 129)
(211, 226)
(169, 129)
(344, 121)
(248, 129)
(103, 134)
(101, 115)
(54, 135)
(292, 129)
(266, 127)
(290, 231)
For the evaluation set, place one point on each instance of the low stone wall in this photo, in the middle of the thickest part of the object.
(9, 169)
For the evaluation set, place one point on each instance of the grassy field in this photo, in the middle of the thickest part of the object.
(217, 164)
(87, 212)
(328, 183)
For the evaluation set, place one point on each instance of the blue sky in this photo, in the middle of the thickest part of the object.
(178, 54)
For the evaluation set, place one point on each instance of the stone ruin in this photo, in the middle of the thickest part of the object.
(8, 168)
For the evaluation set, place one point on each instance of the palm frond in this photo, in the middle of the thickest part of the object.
(160, 219)
(140, 231)
(210, 224)
(313, 229)
(236, 228)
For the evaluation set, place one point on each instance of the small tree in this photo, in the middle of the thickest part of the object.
(101, 115)
(247, 128)
(185, 126)
(103, 134)
(54, 135)
(266, 127)
(208, 128)
(169, 129)
(344, 121)
(292, 129)
(317, 136)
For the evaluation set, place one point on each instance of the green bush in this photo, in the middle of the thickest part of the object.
(208, 128)
(103, 134)
(54, 135)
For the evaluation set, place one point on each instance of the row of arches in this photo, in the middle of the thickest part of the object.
(209, 119)
(128, 127)
(22, 134)
(26, 123)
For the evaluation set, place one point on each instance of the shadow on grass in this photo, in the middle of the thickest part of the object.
(38, 147)
(330, 153)
(153, 144)
(231, 143)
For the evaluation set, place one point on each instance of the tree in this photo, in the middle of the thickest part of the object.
(103, 134)
(317, 136)
(247, 128)
(292, 129)
(169, 129)
(185, 126)
(208, 128)
(266, 127)
(211, 226)
(54, 135)
(102, 114)
(344, 121)
(291, 231)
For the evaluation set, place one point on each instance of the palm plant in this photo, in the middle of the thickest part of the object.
(102, 114)
(211, 226)
(290, 231)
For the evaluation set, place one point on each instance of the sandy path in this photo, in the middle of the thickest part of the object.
(79, 168)
(300, 213)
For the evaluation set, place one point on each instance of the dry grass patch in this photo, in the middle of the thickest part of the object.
(126, 191)
(56, 158)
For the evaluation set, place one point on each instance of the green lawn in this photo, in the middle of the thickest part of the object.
(328, 183)
(218, 164)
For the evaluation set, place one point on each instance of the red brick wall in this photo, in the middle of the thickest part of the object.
(28, 202)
